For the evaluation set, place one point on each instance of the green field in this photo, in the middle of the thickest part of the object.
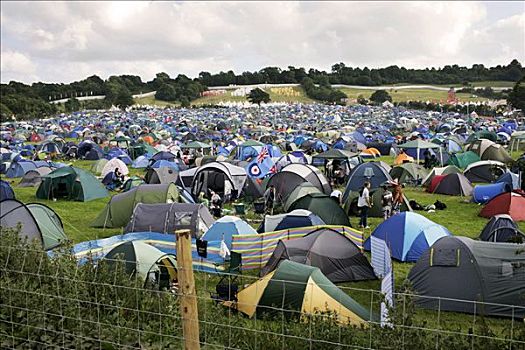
(152, 101)
(403, 95)
(275, 97)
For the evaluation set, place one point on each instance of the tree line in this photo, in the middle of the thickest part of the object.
(32, 101)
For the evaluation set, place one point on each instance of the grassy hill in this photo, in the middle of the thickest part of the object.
(403, 95)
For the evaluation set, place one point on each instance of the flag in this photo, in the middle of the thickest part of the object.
(381, 259)
(387, 289)
(261, 166)
(224, 251)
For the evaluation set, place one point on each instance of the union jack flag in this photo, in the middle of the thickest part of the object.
(263, 155)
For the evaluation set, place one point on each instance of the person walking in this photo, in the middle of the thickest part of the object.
(364, 203)
(398, 197)
(387, 200)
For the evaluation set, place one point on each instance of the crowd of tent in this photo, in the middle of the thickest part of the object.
(304, 153)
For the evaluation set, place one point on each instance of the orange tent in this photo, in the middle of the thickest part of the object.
(373, 152)
(403, 158)
(148, 139)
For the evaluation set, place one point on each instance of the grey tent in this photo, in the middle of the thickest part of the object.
(295, 174)
(501, 228)
(37, 220)
(166, 218)
(369, 171)
(334, 254)
(33, 178)
(485, 171)
(454, 185)
(459, 268)
(162, 175)
(350, 203)
(214, 176)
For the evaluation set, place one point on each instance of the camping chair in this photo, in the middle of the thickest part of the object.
(228, 286)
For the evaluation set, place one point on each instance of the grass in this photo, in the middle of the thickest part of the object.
(403, 95)
(460, 217)
(152, 101)
(275, 96)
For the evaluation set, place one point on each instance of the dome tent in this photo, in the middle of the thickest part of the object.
(6, 192)
(213, 176)
(463, 160)
(119, 209)
(146, 263)
(225, 228)
(71, 183)
(370, 171)
(500, 228)
(453, 185)
(33, 178)
(323, 206)
(338, 258)
(162, 175)
(299, 289)
(376, 195)
(408, 235)
(485, 171)
(449, 169)
(409, 172)
(295, 218)
(113, 164)
(38, 222)
(459, 268)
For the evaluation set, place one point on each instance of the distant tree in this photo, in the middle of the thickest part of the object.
(5, 112)
(257, 96)
(185, 102)
(362, 100)
(123, 99)
(380, 96)
(166, 92)
(517, 96)
(72, 105)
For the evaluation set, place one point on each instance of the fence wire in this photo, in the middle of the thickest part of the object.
(55, 303)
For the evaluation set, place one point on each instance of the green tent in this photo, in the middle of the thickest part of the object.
(297, 289)
(118, 211)
(97, 167)
(71, 183)
(145, 262)
(299, 192)
(463, 160)
(324, 207)
(482, 134)
(195, 145)
(409, 173)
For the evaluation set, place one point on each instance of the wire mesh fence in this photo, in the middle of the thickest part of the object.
(52, 302)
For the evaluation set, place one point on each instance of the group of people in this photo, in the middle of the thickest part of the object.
(391, 201)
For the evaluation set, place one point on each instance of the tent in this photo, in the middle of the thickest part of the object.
(449, 169)
(119, 209)
(510, 203)
(463, 160)
(484, 193)
(144, 262)
(293, 219)
(18, 169)
(33, 178)
(227, 226)
(295, 174)
(323, 206)
(71, 183)
(338, 258)
(294, 289)
(350, 204)
(485, 171)
(299, 192)
(511, 179)
(408, 235)
(162, 175)
(453, 185)
(132, 182)
(213, 176)
(141, 162)
(403, 158)
(501, 228)
(409, 173)
(99, 165)
(113, 164)
(496, 152)
(38, 222)
(6, 192)
(372, 172)
(416, 148)
(459, 268)
(168, 217)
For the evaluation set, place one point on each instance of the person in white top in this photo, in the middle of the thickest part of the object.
(364, 203)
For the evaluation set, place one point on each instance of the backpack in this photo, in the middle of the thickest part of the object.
(440, 205)
(415, 205)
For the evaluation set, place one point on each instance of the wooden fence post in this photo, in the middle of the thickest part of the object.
(188, 295)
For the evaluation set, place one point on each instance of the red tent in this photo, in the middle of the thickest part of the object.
(510, 203)
(434, 182)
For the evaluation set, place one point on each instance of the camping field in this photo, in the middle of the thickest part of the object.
(460, 217)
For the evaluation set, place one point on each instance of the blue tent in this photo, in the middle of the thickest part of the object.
(510, 178)
(225, 228)
(484, 193)
(116, 152)
(18, 169)
(370, 171)
(164, 163)
(6, 192)
(141, 162)
(408, 235)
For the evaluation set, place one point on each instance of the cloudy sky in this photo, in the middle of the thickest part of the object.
(67, 41)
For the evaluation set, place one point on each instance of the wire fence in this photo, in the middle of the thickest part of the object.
(55, 303)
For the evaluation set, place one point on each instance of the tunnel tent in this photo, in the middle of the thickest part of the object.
(168, 217)
(324, 207)
(38, 222)
(297, 289)
(132, 182)
(293, 219)
(484, 193)
(213, 176)
(148, 264)
(71, 183)
(459, 268)
(501, 228)
(119, 209)
(338, 258)
(485, 171)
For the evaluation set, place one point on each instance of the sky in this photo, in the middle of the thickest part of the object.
(69, 41)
